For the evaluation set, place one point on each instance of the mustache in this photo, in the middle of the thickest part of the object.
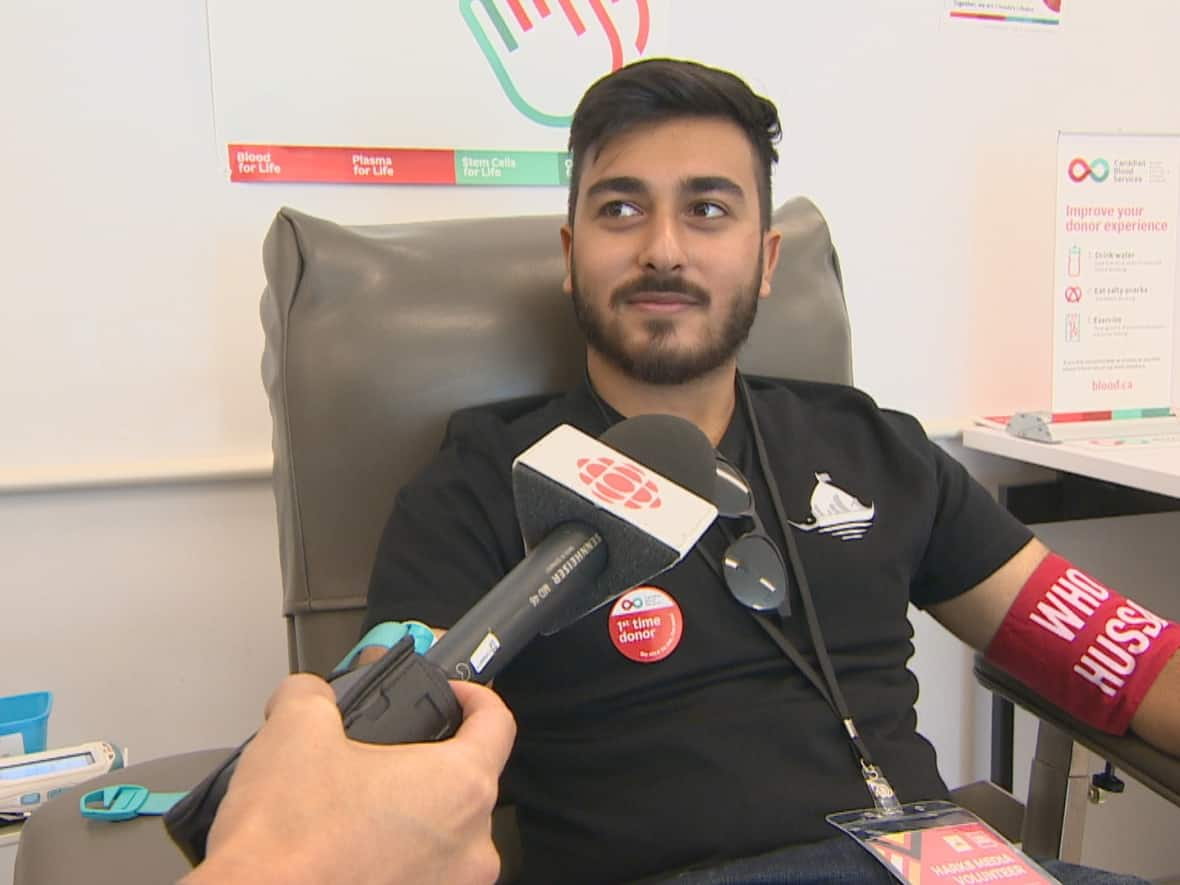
(659, 283)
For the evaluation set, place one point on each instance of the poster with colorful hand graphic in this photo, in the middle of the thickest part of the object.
(467, 92)
(528, 46)
(1010, 12)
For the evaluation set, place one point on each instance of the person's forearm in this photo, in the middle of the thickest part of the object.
(1157, 720)
(228, 866)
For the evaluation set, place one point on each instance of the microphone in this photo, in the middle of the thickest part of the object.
(598, 517)
(596, 523)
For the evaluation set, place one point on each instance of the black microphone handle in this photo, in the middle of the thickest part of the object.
(404, 697)
(528, 599)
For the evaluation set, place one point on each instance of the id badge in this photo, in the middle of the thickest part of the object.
(939, 843)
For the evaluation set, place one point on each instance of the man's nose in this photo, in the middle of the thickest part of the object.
(663, 248)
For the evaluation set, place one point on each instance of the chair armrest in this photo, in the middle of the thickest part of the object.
(1153, 768)
(57, 844)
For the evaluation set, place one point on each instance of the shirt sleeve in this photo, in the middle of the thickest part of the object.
(971, 537)
(451, 536)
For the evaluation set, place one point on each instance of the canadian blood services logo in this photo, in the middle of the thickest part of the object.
(1079, 170)
(619, 482)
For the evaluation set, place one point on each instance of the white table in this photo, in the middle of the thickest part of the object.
(1150, 468)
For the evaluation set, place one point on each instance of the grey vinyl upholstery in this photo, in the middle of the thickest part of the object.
(375, 335)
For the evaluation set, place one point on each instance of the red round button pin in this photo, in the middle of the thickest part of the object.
(646, 625)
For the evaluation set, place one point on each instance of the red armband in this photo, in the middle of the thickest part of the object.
(1082, 646)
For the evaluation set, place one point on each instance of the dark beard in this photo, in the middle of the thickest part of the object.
(658, 362)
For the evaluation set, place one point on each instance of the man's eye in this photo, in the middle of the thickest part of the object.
(708, 210)
(619, 209)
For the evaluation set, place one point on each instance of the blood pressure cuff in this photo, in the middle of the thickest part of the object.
(402, 698)
(1082, 646)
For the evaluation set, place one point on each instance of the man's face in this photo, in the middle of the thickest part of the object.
(667, 258)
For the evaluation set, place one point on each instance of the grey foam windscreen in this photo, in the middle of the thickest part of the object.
(672, 448)
(669, 445)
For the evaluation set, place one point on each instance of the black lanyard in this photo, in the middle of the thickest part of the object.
(826, 684)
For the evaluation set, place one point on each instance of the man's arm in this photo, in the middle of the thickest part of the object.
(976, 616)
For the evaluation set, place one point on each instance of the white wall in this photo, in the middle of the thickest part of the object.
(153, 614)
(129, 325)
(131, 264)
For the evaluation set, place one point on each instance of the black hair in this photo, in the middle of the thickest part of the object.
(660, 89)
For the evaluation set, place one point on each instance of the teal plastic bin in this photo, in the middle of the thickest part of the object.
(26, 715)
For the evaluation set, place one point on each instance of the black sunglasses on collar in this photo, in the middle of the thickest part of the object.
(752, 565)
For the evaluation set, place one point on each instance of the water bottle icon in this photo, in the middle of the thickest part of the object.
(1075, 261)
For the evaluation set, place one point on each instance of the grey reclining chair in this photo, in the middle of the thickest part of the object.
(374, 336)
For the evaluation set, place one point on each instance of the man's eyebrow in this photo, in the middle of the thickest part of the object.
(620, 184)
(704, 184)
(698, 184)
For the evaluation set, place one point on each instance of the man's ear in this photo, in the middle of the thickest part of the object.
(567, 250)
(771, 241)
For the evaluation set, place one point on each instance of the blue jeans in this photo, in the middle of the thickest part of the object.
(841, 860)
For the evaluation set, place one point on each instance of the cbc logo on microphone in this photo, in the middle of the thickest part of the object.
(619, 482)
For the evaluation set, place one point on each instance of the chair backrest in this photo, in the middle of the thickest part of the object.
(376, 334)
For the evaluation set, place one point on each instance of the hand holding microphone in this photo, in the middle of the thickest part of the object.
(595, 522)
(291, 817)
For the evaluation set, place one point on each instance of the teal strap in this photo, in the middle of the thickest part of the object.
(125, 801)
(388, 634)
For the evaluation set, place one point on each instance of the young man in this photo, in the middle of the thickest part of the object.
(716, 746)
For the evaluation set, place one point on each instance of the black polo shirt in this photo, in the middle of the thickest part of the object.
(720, 748)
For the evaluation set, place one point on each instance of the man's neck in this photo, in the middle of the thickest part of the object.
(708, 401)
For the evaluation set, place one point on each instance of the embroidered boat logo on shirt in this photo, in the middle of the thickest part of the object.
(835, 512)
